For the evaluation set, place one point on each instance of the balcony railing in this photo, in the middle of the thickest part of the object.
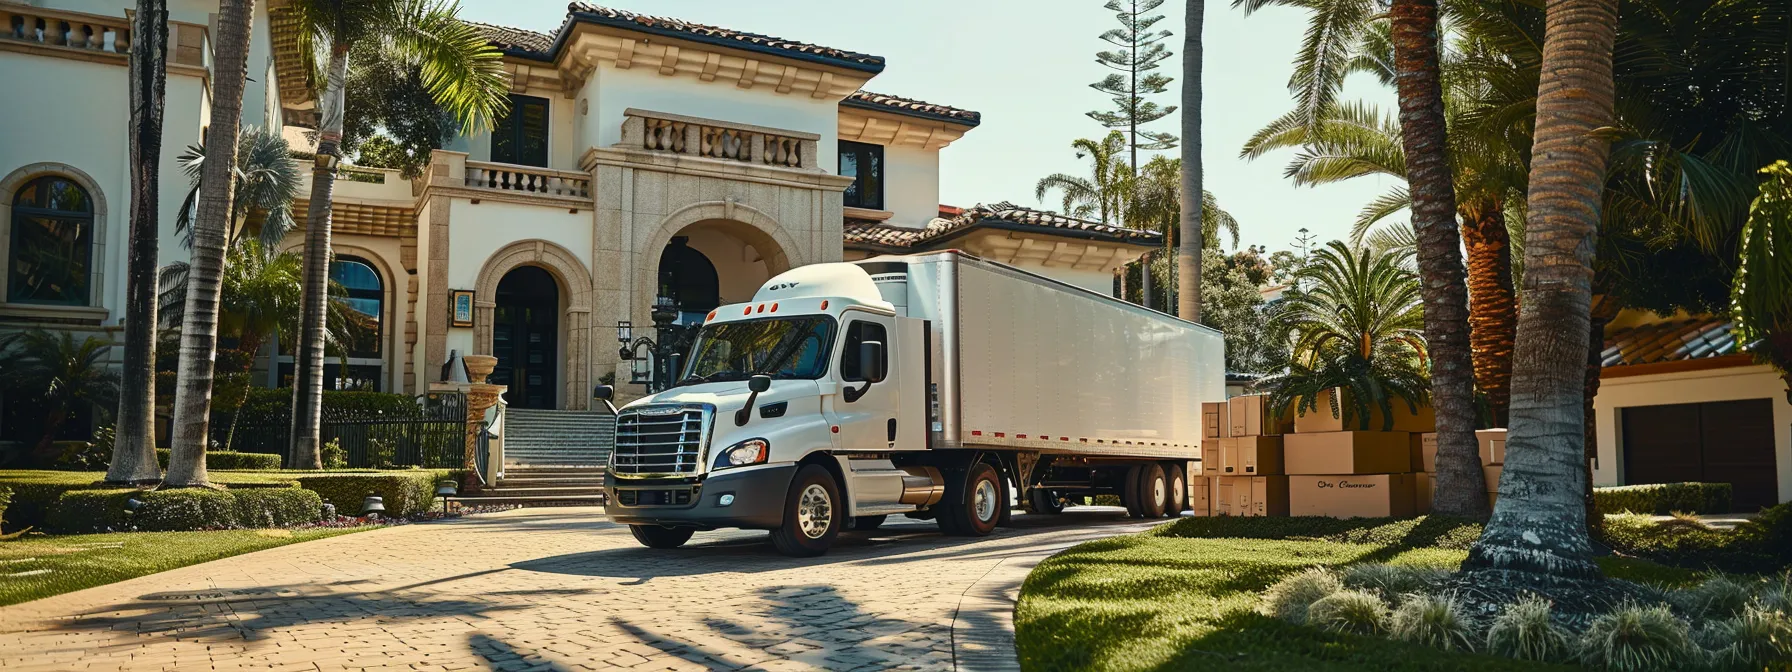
(708, 138)
(109, 35)
(528, 179)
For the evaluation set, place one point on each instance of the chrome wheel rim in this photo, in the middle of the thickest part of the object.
(983, 501)
(1160, 493)
(814, 513)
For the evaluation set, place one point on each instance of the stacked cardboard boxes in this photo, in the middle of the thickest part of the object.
(1336, 470)
(1250, 479)
(1493, 459)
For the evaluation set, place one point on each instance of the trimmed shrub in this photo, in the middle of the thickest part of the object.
(1637, 638)
(1718, 597)
(1393, 580)
(5, 499)
(88, 511)
(1433, 620)
(224, 460)
(1289, 598)
(1754, 639)
(1664, 498)
(1399, 533)
(277, 507)
(1524, 631)
(1349, 611)
(186, 509)
(33, 497)
(1749, 549)
(403, 494)
(334, 455)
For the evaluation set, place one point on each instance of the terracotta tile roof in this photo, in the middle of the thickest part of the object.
(884, 237)
(515, 39)
(1669, 341)
(585, 11)
(911, 107)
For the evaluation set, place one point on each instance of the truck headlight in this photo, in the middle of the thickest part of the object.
(750, 451)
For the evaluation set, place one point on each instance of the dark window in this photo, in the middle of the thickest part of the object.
(1714, 442)
(521, 136)
(865, 165)
(52, 243)
(856, 333)
(688, 277)
(366, 299)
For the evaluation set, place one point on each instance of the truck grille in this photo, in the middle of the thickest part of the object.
(657, 440)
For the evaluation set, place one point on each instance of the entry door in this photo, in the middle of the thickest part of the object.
(523, 339)
(1716, 442)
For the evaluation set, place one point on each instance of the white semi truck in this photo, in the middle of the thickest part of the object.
(934, 385)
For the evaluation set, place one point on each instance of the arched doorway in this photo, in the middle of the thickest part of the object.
(689, 279)
(715, 262)
(525, 337)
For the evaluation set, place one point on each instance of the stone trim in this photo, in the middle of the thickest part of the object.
(575, 284)
(96, 296)
(718, 123)
(696, 166)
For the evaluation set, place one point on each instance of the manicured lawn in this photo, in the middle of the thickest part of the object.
(41, 566)
(1183, 596)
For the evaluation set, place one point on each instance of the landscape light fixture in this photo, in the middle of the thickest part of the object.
(373, 506)
(445, 489)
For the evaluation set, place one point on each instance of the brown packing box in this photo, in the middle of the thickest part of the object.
(1347, 453)
(1215, 420)
(1249, 415)
(1422, 460)
(1424, 490)
(1493, 445)
(1210, 457)
(1250, 456)
(1491, 473)
(1200, 496)
(1321, 419)
(1351, 495)
(1252, 496)
(1225, 497)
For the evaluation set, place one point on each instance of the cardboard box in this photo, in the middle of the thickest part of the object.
(1252, 496)
(1210, 457)
(1352, 495)
(1493, 445)
(1347, 453)
(1321, 418)
(1250, 455)
(1216, 421)
(1422, 442)
(1424, 490)
(1491, 473)
(1250, 415)
(1200, 496)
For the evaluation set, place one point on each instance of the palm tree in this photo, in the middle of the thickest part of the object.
(267, 181)
(1154, 202)
(1357, 324)
(1188, 254)
(1103, 194)
(199, 328)
(133, 449)
(461, 70)
(1539, 524)
(1762, 303)
(71, 376)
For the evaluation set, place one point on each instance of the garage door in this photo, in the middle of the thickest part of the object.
(1717, 442)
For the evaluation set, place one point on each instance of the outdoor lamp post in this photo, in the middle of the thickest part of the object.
(654, 361)
(444, 490)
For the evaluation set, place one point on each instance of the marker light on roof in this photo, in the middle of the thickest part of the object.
(712, 316)
(749, 311)
(774, 306)
(824, 304)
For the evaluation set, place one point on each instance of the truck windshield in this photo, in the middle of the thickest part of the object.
(783, 348)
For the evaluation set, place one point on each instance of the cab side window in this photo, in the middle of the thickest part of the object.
(856, 333)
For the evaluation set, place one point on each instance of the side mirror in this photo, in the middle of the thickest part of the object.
(759, 383)
(604, 392)
(755, 385)
(871, 361)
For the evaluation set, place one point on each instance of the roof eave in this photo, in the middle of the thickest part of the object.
(1036, 229)
(574, 17)
(874, 107)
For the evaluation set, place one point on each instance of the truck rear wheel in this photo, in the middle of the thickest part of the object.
(654, 536)
(1178, 489)
(1045, 501)
(973, 505)
(813, 515)
(1129, 492)
(1153, 491)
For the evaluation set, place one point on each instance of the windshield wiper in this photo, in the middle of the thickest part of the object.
(717, 377)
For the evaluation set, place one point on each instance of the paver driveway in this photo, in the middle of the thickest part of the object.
(560, 589)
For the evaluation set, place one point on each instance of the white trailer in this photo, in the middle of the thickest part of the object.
(935, 385)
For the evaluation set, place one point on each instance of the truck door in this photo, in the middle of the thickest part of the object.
(868, 421)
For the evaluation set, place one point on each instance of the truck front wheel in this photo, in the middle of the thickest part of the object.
(654, 536)
(972, 508)
(813, 515)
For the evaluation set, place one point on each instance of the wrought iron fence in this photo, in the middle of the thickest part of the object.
(431, 434)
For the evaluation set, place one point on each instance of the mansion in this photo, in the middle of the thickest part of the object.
(643, 159)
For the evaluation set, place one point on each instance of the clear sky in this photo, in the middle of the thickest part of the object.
(1026, 65)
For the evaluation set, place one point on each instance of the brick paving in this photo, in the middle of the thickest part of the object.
(560, 589)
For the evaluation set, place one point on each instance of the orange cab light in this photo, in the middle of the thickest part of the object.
(824, 304)
(749, 311)
(774, 306)
(761, 308)
(712, 316)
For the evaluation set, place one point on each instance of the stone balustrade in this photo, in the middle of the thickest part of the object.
(96, 35)
(527, 179)
(712, 139)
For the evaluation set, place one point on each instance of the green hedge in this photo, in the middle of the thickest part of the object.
(88, 511)
(403, 493)
(84, 511)
(1664, 498)
(32, 497)
(1762, 545)
(277, 507)
(225, 460)
(5, 498)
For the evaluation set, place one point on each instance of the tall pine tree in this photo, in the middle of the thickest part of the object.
(1138, 52)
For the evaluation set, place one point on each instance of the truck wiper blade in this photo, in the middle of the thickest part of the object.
(716, 377)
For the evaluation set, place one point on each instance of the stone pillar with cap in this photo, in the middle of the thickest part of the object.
(481, 396)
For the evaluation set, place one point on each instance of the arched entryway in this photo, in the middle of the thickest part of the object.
(716, 262)
(526, 337)
(570, 282)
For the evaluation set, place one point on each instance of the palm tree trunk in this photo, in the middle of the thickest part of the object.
(1188, 253)
(308, 389)
(217, 187)
(1605, 308)
(1492, 305)
(1460, 488)
(1539, 526)
(133, 449)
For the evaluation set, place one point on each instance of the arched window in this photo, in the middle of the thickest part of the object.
(367, 298)
(50, 257)
(690, 279)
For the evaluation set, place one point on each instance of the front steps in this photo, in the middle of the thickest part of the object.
(542, 486)
(551, 458)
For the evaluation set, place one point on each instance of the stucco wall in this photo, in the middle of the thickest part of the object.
(1731, 384)
(911, 184)
(740, 269)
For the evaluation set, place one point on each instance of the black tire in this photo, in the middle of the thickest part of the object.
(1129, 492)
(867, 523)
(973, 505)
(654, 536)
(1178, 489)
(1153, 491)
(1045, 501)
(811, 525)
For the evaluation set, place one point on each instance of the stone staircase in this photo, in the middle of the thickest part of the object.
(551, 458)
